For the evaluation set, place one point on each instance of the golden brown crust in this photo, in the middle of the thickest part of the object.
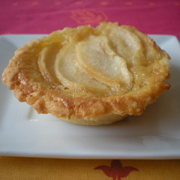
(42, 91)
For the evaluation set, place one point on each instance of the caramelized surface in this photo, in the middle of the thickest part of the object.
(74, 72)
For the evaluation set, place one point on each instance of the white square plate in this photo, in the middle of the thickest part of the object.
(153, 135)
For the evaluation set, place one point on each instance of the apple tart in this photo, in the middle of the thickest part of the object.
(89, 76)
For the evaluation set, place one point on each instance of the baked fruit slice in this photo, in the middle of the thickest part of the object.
(89, 76)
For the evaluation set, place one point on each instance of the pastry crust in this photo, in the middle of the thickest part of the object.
(63, 73)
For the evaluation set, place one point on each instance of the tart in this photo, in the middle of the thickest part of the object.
(89, 76)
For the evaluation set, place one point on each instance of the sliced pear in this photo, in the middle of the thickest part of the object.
(72, 76)
(100, 62)
(128, 45)
(46, 61)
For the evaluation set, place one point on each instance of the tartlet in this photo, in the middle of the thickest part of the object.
(89, 76)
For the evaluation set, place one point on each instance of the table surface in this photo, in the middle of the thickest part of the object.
(45, 16)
